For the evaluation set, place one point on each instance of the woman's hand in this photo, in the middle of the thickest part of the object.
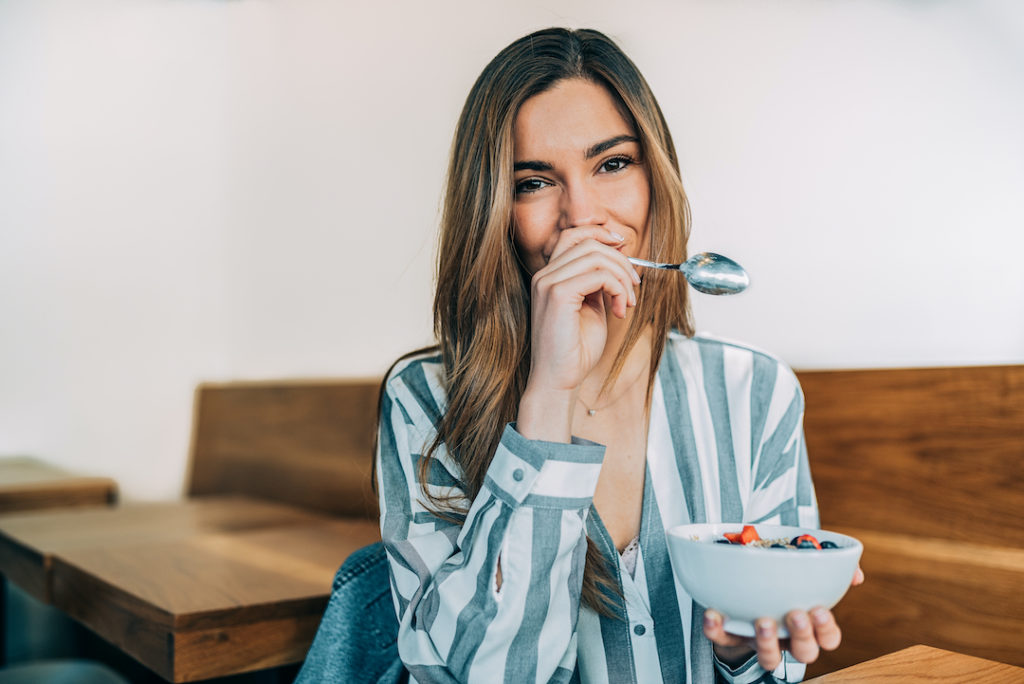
(569, 326)
(569, 295)
(809, 633)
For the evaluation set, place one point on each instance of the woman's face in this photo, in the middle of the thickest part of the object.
(577, 163)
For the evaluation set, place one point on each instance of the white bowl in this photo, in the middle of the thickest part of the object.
(745, 583)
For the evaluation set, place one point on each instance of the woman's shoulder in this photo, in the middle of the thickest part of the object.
(426, 360)
(418, 377)
(735, 357)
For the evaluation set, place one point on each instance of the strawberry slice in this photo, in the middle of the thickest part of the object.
(749, 534)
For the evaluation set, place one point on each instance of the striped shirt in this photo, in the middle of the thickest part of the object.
(725, 444)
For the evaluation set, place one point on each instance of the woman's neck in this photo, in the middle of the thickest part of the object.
(637, 363)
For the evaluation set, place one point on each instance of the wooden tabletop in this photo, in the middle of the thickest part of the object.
(29, 484)
(925, 665)
(195, 589)
(214, 604)
(29, 541)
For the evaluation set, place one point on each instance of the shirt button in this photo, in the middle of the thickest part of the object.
(517, 474)
(639, 630)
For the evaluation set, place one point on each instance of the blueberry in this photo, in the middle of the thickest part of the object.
(829, 545)
(722, 541)
(778, 546)
(806, 544)
(794, 540)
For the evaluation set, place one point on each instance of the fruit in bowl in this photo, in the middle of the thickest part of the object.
(761, 571)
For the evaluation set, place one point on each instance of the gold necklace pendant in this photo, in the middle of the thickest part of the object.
(591, 412)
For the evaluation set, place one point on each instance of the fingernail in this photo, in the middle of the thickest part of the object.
(636, 277)
(799, 621)
(764, 628)
(819, 615)
(617, 236)
(711, 618)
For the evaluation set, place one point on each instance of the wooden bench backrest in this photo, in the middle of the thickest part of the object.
(926, 468)
(936, 452)
(303, 443)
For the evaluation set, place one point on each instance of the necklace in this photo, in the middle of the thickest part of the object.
(593, 411)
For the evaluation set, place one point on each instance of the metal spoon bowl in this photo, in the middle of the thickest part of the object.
(707, 272)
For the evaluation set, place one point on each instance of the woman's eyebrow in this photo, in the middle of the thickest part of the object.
(600, 147)
(531, 166)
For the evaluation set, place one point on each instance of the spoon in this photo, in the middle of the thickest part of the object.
(707, 272)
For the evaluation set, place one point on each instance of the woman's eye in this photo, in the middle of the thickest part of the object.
(616, 164)
(529, 185)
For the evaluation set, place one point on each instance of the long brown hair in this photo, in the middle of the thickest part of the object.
(482, 301)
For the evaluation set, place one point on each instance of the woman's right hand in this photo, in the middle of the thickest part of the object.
(569, 295)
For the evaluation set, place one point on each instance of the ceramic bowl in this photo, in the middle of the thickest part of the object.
(745, 583)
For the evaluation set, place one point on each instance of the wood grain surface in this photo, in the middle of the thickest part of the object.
(28, 484)
(28, 541)
(305, 443)
(212, 604)
(926, 467)
(967, 598)
(937, 452)
(925, 665)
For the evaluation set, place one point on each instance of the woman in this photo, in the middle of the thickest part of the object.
(528, 468)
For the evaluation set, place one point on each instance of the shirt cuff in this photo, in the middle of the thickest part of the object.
(789, 670)
(541, 474)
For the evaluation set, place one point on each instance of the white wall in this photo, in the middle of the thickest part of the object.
(204, 190)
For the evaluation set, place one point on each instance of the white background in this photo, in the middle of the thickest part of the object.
(210, 190)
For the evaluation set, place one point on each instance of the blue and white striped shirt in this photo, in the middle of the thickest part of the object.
(725, 443)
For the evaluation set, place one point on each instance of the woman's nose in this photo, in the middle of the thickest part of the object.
(582, 206)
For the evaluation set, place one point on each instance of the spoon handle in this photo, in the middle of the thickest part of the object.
(654, 264)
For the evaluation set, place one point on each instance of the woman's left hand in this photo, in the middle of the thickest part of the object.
(809, 633)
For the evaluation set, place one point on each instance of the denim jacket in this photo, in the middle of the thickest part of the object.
(356, 641)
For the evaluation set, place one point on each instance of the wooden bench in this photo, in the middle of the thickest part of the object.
(308, 444)
(926, 468)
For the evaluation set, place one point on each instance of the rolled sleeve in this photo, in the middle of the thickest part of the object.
(544, 474)
(789, 670)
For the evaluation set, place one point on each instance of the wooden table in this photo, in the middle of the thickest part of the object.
(29, 484)
(192, 590)
(29, 541)
(925, 665)
(211, 605)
